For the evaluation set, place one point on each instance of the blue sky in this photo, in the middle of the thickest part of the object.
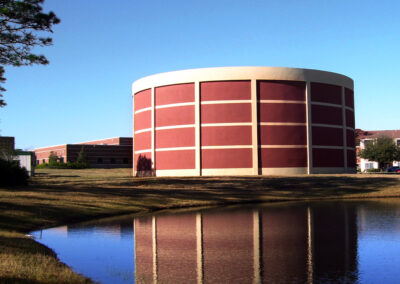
(101, 47)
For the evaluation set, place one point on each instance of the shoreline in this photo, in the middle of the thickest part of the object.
(61, 197)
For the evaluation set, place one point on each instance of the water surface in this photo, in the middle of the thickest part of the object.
(332, 242)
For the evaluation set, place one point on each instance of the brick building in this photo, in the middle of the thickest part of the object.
(244, 121)
(105, 153)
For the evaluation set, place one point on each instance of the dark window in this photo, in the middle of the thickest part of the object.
(44, 161)
(61, 159)
(398, 142)
(99, 160)
(126, 160)
(112, 160)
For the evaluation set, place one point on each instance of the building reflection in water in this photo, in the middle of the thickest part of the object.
(270, 244)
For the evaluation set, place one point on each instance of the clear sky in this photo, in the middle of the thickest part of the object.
(102, 46)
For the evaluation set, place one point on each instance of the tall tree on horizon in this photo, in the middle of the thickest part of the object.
(20, 23)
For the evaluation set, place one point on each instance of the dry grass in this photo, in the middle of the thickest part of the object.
(57, 197)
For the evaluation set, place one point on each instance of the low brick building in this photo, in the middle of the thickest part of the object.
(105, 153)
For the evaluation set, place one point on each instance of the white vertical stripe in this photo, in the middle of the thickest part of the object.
(254, 129)
(153, 132)
(309, 128)
(197, 127)
(344, 129)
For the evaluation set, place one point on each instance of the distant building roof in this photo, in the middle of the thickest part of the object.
(365, 134)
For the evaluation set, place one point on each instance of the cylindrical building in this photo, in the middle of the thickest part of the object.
(243, 121)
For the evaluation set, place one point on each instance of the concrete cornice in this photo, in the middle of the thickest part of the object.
(241, 73)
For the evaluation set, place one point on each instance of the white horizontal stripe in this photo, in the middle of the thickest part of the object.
(281, 102)
(227, 172)
(142, 130)
(225, 102)
(283, 123)
(175, 105)
(326, 104)
(143, 151)
(227, 124)
(175, 126)
(227, 147)
(349, 128)
(327, 147)
(349, 108)
(326, 125)
(283, 146)
(351, 148)
(142, 110)
(175, 149)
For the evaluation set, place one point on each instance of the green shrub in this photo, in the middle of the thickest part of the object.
(373, 170)
(12, 174)
(61, 165)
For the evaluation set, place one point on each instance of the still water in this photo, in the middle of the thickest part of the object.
(324, 242)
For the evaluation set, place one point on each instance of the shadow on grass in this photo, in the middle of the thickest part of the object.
(218, 189)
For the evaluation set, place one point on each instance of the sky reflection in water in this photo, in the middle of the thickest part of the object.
(349, 242)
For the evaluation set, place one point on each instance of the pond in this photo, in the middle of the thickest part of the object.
(325, 242)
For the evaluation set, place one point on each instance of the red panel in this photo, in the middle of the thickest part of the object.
(326, 93)
(228, 247)
(326, 115)
(350, 138)
(351, 159)
(175, 116)
(175, 160)
(220, 113)
(173, 94)
(144, 248)
(143, 99)
(327, 136)
(226, 158)
(142, 120)
(178, 137)
(225, 90)
(226, 135)
(143, 141)
(277, 112)
(328, 158)
(284, 243)
(176, 249)
(147, 158)
(283, 157)
(349, 118)
(349, 97)
(281, 90)
(283, 135)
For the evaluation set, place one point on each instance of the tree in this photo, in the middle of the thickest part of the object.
(53, 159)
(383, 150)
(20, 21)
(82, 159)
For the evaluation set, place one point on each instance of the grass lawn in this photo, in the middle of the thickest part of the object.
(56, 197)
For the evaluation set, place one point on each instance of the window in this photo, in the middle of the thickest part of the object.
(61, 159)
(44, 161)
(99, 160)
(112, 160)
(398, 142)
(369, 166)
(126, 160)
